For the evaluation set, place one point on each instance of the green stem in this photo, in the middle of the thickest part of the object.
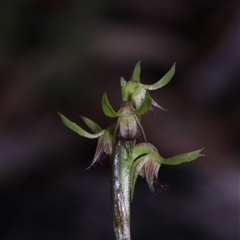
(120, 189)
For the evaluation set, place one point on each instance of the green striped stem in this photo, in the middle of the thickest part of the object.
(120, 190)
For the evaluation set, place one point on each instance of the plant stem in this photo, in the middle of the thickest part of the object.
(120, 190)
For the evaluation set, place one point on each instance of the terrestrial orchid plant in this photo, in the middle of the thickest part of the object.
(126, 145)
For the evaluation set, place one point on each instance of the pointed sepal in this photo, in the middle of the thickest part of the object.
(145, 166)
(146, 104)
(95, 128)
(142, 149)
(107, 108)
(163, 81)
(123, 84)
(74, 127)
(182, 158)
(157, 105)
(104, 145)
(136, 72)
(147, 162)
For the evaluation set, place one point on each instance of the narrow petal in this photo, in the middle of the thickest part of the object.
(141, 128)
(136, 168)
(107, 108)
(74, 127)
(158, 106)
(104, 145)
(138, 96)
(181, 158)
(123, 89)
(163, 81)
(136, 72)
(127, 127)
(97, 155)
(146, 105)
(145, 166)
(150, 170)
(91, 124)
(142, 149)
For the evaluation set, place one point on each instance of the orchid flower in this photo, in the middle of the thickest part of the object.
(147, 162)
(129, 158)
(105, 136)
(128, 117)
(135, 92)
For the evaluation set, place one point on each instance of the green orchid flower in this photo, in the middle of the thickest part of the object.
(135, 92)
(105, 136)
(147, 162)
(128, 118)
(130, 156)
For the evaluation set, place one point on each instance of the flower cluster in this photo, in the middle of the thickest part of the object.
(144, 157)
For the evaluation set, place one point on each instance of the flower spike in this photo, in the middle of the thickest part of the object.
(130, 156)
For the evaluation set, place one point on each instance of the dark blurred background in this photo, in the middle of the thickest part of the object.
(61, 56)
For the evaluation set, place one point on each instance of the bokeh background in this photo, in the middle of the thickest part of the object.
(61, 56)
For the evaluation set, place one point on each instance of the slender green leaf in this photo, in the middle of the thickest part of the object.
(107, 108)
(136, 72)
(91, 124)
(74, 127)
(163, 81)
